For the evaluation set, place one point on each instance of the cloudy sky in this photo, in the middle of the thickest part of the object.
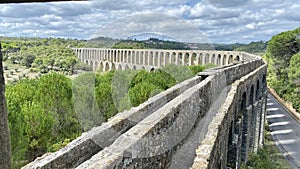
(219, 21)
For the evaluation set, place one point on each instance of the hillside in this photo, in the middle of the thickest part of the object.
(151, 43)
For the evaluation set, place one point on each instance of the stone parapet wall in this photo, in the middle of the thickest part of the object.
(212, 151)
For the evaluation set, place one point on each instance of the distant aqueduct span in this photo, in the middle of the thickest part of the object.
(122, 59)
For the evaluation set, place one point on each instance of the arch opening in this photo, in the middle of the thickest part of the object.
(244, 143)
(106, 67)
(219, 58)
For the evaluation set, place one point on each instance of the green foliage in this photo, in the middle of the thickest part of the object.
(284, 45)
(101, 42)
(158, 78)
(104, 78)
(294, 82)
(147, 84)
(199, 68)
(253, 47)
(140, 77)
(48, 112)
(38, 128)
(179, 73)
(196, 68)
(55, 94)
(84, 101)
(105, 101)
(283, 72)
(40, 114)
(261, 160)
(151, 43)
(27, 60)
(59, 145)
(82, 66)
(227, 47)
(162, 79)
(43, 54)
(294, 70)
(120, 86)
(142, 91)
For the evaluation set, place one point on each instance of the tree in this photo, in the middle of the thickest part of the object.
(18, 95)
(105, 101)
(284, 45)
(280, 50)
(84, 101)
(253, 47)
(294, 82)
(27, 60)
(40, 114)
(5, 149)
(142, 91)
(70, 63)
(50, 61)
(38, 128)
(294, 70)
(179, 73)
(54, 92)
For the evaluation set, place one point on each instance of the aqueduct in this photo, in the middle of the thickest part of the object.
(213, 120)
(121, 59)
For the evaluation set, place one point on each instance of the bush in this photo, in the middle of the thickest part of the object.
(40, 115)
(196, 68)
(105, 101)
(261, 160)
(59, 145)
(35, 70)
(82, 66)
(179, 73)
(142, 91)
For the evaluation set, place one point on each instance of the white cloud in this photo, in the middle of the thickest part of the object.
(134, 5)
(222, 21)
(136, 24)
(228, 3)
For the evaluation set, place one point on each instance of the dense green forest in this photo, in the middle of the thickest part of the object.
(284, 65)
(41, 54)
(253, 47)
(153, 43)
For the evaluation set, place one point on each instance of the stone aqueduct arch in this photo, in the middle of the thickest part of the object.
(246, 124)
(110, 59)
